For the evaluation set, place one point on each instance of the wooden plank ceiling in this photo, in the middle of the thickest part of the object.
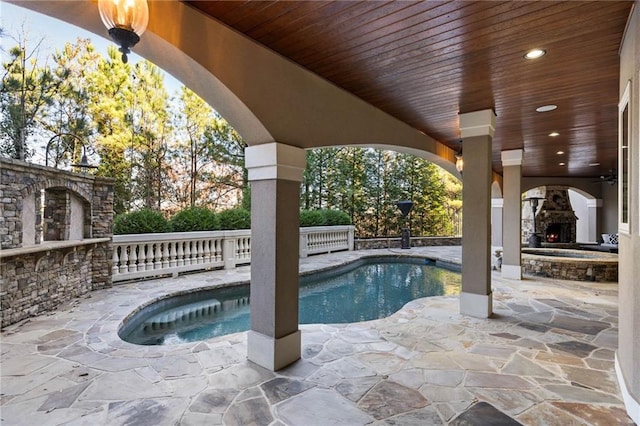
(425, 62)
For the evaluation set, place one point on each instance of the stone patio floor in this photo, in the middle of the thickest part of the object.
(545, 358)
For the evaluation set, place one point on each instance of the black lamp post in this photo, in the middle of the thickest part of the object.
(405, 208)
(84, 162)
(535, 240)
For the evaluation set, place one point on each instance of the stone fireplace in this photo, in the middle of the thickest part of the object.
(555, 220)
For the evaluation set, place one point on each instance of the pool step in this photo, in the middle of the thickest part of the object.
(182, 314)
(192, 312)
(235, 303)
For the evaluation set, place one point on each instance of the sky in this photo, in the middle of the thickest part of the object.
(56, 33)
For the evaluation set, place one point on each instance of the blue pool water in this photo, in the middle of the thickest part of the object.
(366, 290)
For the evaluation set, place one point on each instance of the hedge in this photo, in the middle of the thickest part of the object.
(195, 219)
(235, 219)
(143, 221)
(323, 218)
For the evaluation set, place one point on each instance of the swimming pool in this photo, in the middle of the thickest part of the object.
(364, 290)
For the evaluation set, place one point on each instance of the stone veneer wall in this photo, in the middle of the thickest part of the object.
(603, 270)
(394, 242)
(38, 277)
(33, 284)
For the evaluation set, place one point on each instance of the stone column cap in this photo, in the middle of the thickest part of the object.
(275, 161)
(512, 157)
(478, 123)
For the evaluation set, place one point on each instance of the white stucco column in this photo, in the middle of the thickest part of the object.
(275, 172)
(593, 216)
(496, 221)
(512, 214)
(476, 129)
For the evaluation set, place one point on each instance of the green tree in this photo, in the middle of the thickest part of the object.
(227, 147)
(210, 153)
(27, 88)
(150, 123)
(317, 178)
(367, 183)
(68, 119)
(110, 101)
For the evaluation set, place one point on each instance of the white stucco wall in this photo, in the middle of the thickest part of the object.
(628, 352)
(584, 233)
(76, 225)
(29, 220)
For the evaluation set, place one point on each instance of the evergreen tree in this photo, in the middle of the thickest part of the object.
(367, 183)
(68, 119)
(27, 88)
(149, 119)
(109, 91)
(210, 153)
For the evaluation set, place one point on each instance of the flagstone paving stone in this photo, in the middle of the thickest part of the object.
(387, 399)
(424, 416)
(321, 407)
(481, 414)
(546, 357)
(596, 415)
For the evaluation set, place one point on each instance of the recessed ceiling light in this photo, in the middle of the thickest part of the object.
(535, 54)
(554, 134)
(560, 164)
(546, 108)
(594, 164)
(560, 152)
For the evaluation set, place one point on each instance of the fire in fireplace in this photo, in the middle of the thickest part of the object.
(558, 233)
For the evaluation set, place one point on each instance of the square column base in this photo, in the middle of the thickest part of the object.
(476, 305)
(630, 404)
(271, 353)
(513, 272)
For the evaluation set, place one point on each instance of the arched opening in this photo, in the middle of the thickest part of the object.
(54, 213)
(565, 216)
(257, 91)
(366, 184)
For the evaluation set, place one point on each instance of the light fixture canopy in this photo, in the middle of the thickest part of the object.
(126, 20)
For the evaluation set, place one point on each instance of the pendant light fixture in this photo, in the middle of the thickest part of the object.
(459, 162)
(126, 20)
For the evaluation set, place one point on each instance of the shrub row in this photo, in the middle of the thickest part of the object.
(323, 218)
(190, 219)
(202, 219)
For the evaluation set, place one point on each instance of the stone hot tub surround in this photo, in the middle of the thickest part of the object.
(565, 264)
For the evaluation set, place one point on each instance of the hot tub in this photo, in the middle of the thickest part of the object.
(567, 264)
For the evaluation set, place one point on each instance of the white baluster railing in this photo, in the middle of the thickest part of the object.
(152, 255)
(164, 254)
(325, 239)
